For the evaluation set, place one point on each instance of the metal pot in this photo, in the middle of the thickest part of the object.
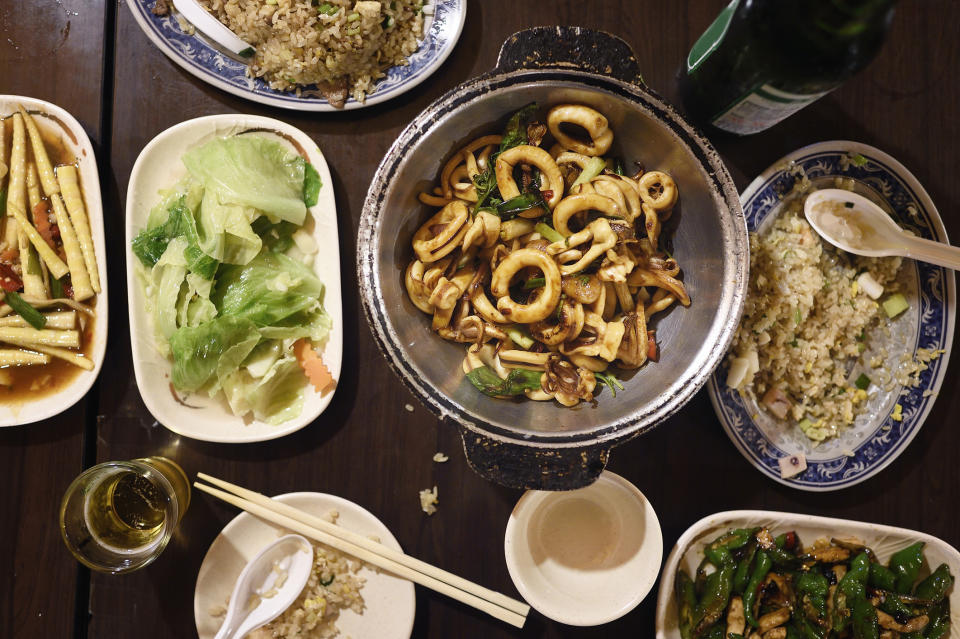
(541, 445)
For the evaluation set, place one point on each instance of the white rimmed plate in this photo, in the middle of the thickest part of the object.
(199, 57)
(875, 439)
(389, 601)
(158, 167)
(884, 540)
(584, 557)
(51, 118)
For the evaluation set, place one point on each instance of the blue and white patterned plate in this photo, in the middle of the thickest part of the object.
(875, 439)
(203, 60)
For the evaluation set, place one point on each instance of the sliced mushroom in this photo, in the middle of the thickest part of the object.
(582, 288)
(567, 383)
(632, 352)
(772, 620)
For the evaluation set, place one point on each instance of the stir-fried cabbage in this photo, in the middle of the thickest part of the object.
(227, 303)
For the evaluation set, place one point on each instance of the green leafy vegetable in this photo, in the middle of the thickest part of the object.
(489, 383)
(197, 351)
(150, 245)
(862, 382)
(523, 202)
(486, 185)
(516, 132)
(311, 185)
(275, 237)
(610, 380)
(250, 171)
(24, 310)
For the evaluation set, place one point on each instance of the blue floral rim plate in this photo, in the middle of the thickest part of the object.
(875, 439)
(205, 61)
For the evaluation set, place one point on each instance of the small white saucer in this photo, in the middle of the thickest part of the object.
(584, 557)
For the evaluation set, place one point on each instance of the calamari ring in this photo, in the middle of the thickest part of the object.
(611, 185)
(601, 137)
(532, 155)
(418, 291)
(658, 190)
(568, 324)
(452, 221)
(573, 204)
(458, 158)
(545, 297)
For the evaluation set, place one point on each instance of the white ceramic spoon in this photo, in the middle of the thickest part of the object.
(853, 223)
(213, 28)
(284, 565)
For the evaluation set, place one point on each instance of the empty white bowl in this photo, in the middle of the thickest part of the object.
(584, 557)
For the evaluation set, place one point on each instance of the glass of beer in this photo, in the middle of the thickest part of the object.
(118, 516)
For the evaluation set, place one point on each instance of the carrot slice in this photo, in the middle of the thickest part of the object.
(313, 367)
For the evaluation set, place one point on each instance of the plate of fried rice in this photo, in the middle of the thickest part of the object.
(312, 55)
(838, 358)
(343, 597)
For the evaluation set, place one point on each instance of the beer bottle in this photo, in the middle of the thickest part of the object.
(763, 60)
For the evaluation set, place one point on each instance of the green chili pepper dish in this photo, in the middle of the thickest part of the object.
(751, 584)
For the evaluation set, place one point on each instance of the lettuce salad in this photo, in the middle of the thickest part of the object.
(227, 272)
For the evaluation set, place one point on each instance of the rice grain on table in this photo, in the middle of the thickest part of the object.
(340, 43)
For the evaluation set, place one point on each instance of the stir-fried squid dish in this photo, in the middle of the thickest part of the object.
(47, 260)
(548, 263)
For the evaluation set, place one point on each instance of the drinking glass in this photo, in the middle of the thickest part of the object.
(118, 516)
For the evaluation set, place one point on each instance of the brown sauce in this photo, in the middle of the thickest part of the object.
(36, 382)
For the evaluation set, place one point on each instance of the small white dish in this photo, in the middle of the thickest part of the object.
(54, 120)
(584, 557)
(389, 601)
(884, 540)
(158, 167)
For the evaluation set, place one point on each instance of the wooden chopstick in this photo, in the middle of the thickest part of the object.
(493, 603)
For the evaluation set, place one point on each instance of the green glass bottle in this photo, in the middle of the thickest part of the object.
(763, 60)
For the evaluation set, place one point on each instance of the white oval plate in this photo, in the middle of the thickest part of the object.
(199, 57)
(884, 540)
(874, 439)
(590, 587)
(50, 117)
(389, 601)
(158, 167)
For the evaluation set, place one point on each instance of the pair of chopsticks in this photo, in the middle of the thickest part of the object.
(493, 603)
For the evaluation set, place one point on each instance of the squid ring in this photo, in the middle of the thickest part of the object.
(568, 325)
(545, 297)
(418, 291)
(535, 156)
(458, 159)
(601, 136)
(573, 204)
(658, 190)
(615, 186)
(442, 233)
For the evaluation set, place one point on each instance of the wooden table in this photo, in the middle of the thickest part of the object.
(90, 57)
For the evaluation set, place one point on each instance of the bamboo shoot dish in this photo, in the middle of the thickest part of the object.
(546, 257)
(752, 584)
(48, 265)
(226, 263)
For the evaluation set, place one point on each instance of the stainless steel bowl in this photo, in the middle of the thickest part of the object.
(528, 444)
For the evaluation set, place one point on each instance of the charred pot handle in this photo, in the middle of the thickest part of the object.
(570, 48)
(530, 468)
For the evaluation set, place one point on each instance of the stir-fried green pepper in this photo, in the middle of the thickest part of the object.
(760, 570)
(865, 624)
(812, 590)
(851, 588)
(718, 552)
(715, 632)
(905, 565)
(893, 605)
(936, 586)
(715, 598)
(939, 625)
(882, 577)
(742, 574)
(686, 603)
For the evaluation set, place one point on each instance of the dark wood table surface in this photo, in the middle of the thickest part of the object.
(91, 58)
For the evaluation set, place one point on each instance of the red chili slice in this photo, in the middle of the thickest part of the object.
(9, 280)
